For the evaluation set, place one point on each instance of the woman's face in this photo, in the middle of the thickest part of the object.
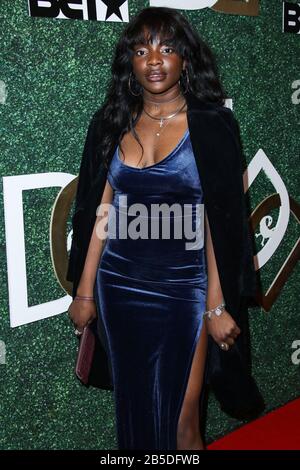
(156, 58)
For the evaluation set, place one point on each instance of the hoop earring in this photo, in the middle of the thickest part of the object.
(185, 78)
(129, 86)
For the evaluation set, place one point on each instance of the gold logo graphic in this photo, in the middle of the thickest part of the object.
(238, 7)
(59, 240)
(273, 201)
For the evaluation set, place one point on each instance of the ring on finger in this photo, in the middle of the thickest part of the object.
(224, 346)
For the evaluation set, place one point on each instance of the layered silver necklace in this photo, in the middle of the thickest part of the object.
(161, 119)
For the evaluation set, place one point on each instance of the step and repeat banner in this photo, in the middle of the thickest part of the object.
(55, 59)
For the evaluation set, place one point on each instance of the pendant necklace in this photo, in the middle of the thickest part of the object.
(161, 119)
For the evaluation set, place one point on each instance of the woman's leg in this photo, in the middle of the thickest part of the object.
(188, 432)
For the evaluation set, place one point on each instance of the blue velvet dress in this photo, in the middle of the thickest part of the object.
(151, 293)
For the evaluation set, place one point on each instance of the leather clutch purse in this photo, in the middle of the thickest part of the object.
(92, 366)
(85, 354)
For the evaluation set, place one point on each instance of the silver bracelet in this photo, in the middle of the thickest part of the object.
(217, 311)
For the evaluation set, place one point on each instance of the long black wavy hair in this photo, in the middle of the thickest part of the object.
(121, 109)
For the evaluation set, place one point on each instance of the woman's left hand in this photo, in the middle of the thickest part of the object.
(223, 328)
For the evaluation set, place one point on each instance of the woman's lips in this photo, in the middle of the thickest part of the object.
(155, 78)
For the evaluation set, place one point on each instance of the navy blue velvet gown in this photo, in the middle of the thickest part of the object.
(151, 294)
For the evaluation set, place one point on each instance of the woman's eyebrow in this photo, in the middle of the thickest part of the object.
(161, 43)
(138, 44)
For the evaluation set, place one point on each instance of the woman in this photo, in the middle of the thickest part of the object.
(163, 136)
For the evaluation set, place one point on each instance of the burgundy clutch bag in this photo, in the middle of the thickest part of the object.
(85, 354)
(92, 365)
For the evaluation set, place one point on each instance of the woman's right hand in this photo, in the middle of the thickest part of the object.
(223, 328)
(81, 312)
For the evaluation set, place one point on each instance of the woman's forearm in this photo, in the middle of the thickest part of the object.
(96, 245)
(214, 290)
(87, 280)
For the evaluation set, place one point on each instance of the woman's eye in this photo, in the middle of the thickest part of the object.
(169, 48)
(165, 49)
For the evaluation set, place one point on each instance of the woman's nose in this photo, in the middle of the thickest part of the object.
(154, 58)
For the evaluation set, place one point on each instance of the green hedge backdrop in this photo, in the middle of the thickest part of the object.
(55, 72)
